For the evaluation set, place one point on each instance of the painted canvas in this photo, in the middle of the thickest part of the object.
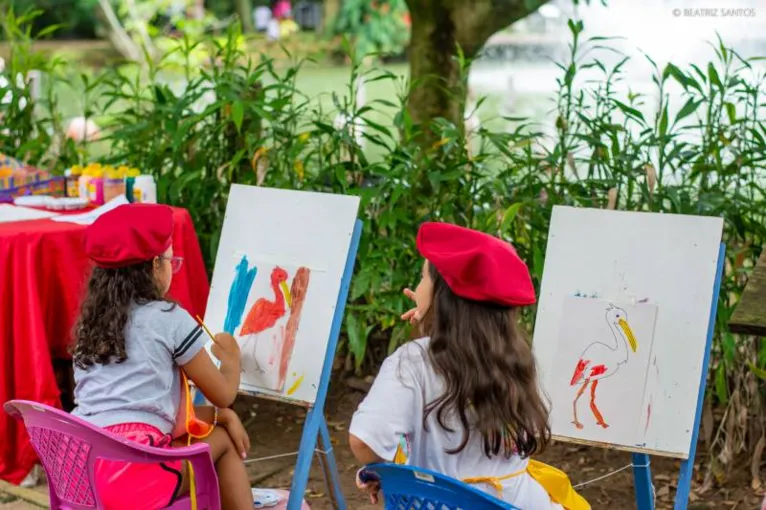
(602, 361)
(657, 271)
(276, 284)
(264, 312)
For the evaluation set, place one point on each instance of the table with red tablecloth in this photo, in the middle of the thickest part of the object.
(43, 273)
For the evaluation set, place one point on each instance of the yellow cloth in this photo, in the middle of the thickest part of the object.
(555, 482)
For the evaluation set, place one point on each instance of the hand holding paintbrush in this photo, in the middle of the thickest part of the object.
(226, 349)
(225, 346)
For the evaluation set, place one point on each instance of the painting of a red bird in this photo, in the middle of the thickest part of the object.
(264, 313)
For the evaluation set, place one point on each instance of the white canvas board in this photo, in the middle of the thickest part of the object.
(269, 236)
(602, 364)
(631, 259)
(10, 213)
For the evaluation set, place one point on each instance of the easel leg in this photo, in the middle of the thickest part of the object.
(331, 467)
(305, 455)
(687, 466)
(642, 479)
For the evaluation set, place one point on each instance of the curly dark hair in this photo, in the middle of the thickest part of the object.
(100, 330)
(489, 374)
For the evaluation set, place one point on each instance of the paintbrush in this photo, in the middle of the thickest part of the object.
(202, 324)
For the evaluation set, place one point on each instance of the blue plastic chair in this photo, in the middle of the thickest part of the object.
(408, 488)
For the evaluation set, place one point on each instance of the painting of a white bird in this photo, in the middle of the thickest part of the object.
(602, 360)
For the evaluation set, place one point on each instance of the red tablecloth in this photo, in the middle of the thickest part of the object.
(43, 270)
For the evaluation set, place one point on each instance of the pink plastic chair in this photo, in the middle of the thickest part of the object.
(68, 448)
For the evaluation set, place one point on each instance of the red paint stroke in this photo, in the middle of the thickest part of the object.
(579, 370)
(264, 313)
(298, 293)
(597, 370)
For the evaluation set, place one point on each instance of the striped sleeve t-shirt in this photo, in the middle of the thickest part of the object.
(146, 387)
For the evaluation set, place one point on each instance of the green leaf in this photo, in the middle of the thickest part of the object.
(713, 75)
(629, 111)
(237, 114)
(361, 285)
(357, 344)
(721, 389)
(684, 80)
(510, 215)
(731, 112)
(664, 121)
(758, 372)
(687, 109)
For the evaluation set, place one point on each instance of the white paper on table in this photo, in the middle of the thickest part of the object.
(91, 216)
(10, 213)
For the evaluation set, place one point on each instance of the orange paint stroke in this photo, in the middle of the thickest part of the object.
(295, 385)
(264, 313)
(298, 293)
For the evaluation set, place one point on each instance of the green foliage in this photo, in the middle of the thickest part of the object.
(374, 26)
(28, 125)
(245, 122)
(76, 18)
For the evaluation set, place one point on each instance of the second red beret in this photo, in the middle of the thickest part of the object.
(475, 265)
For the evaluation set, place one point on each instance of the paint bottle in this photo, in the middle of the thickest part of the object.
(114, 183)
(130, 183)
(96, 187)
(145, 189)
(83, 181)
(72, 181)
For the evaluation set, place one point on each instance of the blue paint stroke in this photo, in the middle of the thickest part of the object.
(240, 288)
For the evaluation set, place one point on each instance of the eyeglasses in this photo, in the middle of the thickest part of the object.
(176, 263)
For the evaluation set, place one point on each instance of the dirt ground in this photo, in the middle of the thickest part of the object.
(275, 430)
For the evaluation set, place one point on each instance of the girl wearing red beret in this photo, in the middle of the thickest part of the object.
(464, 400)
(133, 351)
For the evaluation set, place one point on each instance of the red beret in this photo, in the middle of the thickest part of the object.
(129, 234)
(475, 265)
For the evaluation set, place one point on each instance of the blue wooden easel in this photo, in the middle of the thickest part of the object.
(315, 426)
(642, 476)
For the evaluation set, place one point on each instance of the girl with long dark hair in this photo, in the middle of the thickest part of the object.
(464, 399)
(134, 349)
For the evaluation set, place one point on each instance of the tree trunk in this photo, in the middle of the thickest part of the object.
(439, 27)
(330, 11)
(245, 12)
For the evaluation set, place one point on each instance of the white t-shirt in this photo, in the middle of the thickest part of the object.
(394, 409)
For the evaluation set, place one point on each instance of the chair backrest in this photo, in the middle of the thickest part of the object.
(69, 447)
(407, 488)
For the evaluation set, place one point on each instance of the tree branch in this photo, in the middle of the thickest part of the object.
(117, 34)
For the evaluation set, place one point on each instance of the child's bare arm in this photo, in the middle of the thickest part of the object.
(362, 452)
(218, 385)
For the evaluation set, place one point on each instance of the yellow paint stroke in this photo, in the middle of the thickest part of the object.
(286, 293)
(295, 386)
